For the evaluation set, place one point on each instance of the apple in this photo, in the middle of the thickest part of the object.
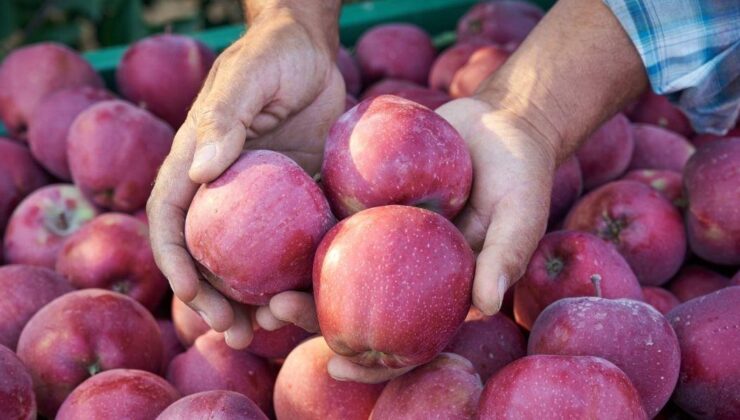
(668, 183)
(694, 281)
(19, 176)
(660, 299)
(114, 150)
(481, 64)
(16, 388)
(213, 405)
(163, 74)
(449, 62)
(488, 342)
(632, 335)
(447, 387)
(40, 224)
(565, 387)
(210, 364)
(735, 280)
(254, 229)
(304, 390)
(120, 394)
(170, 343)
(642, 225)
(384, 51)
(188, 324)
(658, 148)
(392, 285)
(388, 86)
(389, 150)
(702, 140)
(712, 185)
(429, 98)
(349, 102)
(606, 154)
(567, 186)
(113, 252)
(658, 110)
(29, 74)
(350, 71)
(500, 22)
(708, 333)
(81, 334)
(50, 122)
(26, 289)
(562, 266)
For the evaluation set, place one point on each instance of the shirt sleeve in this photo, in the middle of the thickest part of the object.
(691, 51)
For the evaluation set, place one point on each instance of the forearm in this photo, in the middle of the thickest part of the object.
(319, 17)
(576, 68)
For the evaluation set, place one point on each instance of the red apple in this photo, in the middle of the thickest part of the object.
(213, 405)
(643, 226)
(19, 176)
(606, 154)
(694, 281)
(141, 215)
(562, 266)
(660, 299)
(562, 387)
(384, 51)
(349, 102)
(16, 388)
(163, 73)
(170, 342)
(658, 148)
(481, 64)
(119, 394)
(42, 221)
(430, 98)
(25, 290)
(254, 230)
(114, 151)
(632, 335)
(82, 333)
(389, 150)
(50, 122)
(392, 285)
(304, 390)
(29, 74)
(566, 188)
(113, 252)
(489, 342)
(449, 62)
(350, 71)
(276, 344)
(712, 182)
(704, 139)
(668, 183)
(500, 22)
(448, 387)
(388, 86)
(657, 110)
(735, 280)
(188, 324)
(210, 365)
(708, 333)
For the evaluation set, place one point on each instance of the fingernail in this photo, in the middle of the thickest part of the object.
(205, 317)
(204, 154)
(503, 283)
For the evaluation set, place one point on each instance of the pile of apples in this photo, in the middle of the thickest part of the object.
(629, 307)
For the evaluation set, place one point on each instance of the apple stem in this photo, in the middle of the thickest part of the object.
(596, 280)
(94, 368)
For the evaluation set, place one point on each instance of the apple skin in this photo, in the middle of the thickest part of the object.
(562, 266)
(114, 150)
(210, 364)
(50, 122)
(42, 222)
(350, 71)
(658, 148)
(449, 62)
(481, 64)
(29, 74)
(499, 22)
(658, 110)
(606, 154)
(82, 333)
(16, 388)
(170, 343)
(409, 155)
(388, 86)
(668, 183)
(660, 299)
(565, 387)
(383, 51)
(119, 393)
(392, 285)
(567, 186)
(488, 342)
(642, 225)
(254, 229)
(19, 176)
(694, 281)
(448, 387)
(213, 405)
(712, 185)
(632, 335)
(188, 324)
(304, 390)
(26, 289)
(702, 140)
(735, 280)
(708, 386)
(113, 252)
(163, 74)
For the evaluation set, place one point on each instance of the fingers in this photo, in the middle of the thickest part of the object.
(240, 333)
(267, 320)
(342, 369)
(297, 308)
(213, 307)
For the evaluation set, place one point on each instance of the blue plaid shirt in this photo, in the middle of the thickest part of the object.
(691, 50)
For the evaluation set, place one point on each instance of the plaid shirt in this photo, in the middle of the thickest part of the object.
(691, 51)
